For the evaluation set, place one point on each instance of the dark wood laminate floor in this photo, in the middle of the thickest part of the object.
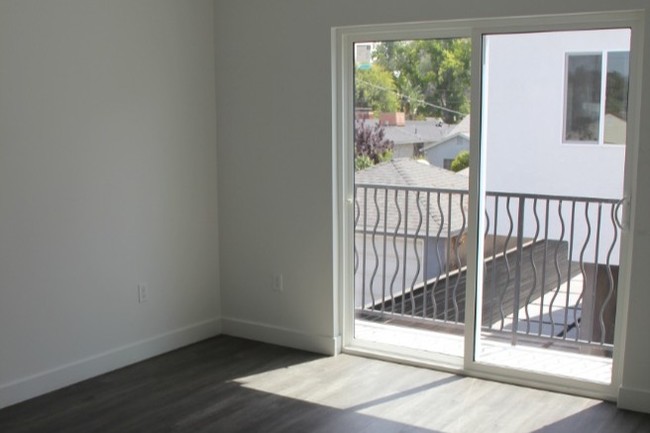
(227, 384)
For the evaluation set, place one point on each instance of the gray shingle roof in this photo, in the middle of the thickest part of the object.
(406, 172)
(461, 127)
(416, 131)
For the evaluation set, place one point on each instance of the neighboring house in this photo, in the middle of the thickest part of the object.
(534, 137)
(363, 54)
(550, 124)
(442, 152)
(410, 140)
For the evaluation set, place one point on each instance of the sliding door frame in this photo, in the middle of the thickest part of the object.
(343, 40)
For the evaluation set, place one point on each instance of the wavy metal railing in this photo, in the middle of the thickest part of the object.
(550, 266)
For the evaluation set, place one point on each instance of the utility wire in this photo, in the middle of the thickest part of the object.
(411, 99)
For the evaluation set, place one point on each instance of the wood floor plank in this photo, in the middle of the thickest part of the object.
(227, 384)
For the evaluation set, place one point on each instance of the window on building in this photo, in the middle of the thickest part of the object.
(618, 74)
(446, 163)
(363, 55)
(590, 118)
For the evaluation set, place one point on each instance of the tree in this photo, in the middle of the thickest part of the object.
(374, 88)
(461, 161)
(370, 145)
(411, 97)
(439, 69)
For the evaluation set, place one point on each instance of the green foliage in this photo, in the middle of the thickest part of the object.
(461, 161)
(361, 162)
(411, 97)
(375, 89)
(436, 71)
(386, 156)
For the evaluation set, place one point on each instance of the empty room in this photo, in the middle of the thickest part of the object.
(297, 216)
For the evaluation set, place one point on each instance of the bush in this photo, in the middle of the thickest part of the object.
(461, 161)
(362, 162)
(370, 145)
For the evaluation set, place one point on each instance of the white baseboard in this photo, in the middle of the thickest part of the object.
(634, 399)
(76, 371)
(281, 336)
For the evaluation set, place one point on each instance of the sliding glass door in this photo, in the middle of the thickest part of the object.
(483, 193)
(553, 122)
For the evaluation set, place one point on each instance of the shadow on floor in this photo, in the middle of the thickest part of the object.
(600, 418)
(190, 390)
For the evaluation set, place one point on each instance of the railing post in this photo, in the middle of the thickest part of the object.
(365, 259)
(520, 244)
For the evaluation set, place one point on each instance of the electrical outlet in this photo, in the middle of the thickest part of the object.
(143, 293)
(278, 283)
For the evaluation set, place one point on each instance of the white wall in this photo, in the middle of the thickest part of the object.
(107, 179)
(403, 150)
(525, 112)
(275, 164)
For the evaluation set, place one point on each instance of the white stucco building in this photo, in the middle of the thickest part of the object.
(548, 127)
(525, 95)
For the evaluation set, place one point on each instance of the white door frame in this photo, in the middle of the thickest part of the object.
(343, 39)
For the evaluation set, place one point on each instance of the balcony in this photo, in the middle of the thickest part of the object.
(549, 275)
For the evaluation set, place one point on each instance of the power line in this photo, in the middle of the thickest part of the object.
(439, 107)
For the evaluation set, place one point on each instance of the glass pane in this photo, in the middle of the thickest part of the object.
(618, 74)
(546, 298)
(583, 97)
(411, 143)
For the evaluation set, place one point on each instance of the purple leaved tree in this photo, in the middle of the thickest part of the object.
(370, 145)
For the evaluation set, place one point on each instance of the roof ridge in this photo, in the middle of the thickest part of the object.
(402, 171)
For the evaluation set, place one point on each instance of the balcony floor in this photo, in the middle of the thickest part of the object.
(498, 353)
(542, 356)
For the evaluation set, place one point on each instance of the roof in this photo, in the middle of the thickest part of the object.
(406, 172)
(461, 129)
(416, 131)
(411, 172)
